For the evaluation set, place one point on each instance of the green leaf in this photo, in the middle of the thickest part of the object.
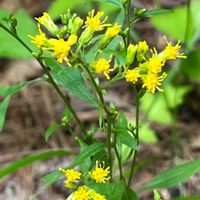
(157, 105)
(173, 176)
(30, 159)
(176, 22)
(122, 132)
(10, 47)
(51, 129)
(147, 134)
(127, 139)
(5, 91)
(114, 191)
(112, 2)
(129, 194)
(122, 122)
(86, 153)
(71, 79)
(151, 13)
(191, 65)
(3, 109)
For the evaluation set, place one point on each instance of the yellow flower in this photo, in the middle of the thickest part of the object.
(103, 66)
(131, 51)
(94, 22)
(61, 48)
(172, 52)
(155, 64)
(113, 31)
(153, 81)
(46, 21)
(82, 193)
(99, 197)
(72, 39)
(100, 174)
(143, 47)
(132, 75)
(71, 176)
(40, 39)
(141, 50)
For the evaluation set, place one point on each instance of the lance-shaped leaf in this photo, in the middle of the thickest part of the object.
(87, 152)
(71, 79)
(30, 159)
(3, 109)
(5, 91)
(174, 176)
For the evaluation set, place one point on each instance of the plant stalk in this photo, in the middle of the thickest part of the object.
(53, 83)
(136, 134)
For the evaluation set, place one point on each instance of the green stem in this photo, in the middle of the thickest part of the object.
(188, 24)
(136, 134)
(98, 90)
(53, 83)
(108, 115)
(109, 137)
(113, 80)
(118, 159)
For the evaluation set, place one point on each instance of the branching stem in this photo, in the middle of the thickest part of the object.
(51, 80)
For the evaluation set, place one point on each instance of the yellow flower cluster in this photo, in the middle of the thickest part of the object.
(149, 70)
(71, 176)
(99, 174)
(102, 66)
(67, 36)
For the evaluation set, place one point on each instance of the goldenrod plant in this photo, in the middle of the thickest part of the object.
(95, 48)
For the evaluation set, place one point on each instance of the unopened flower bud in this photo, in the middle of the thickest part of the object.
(75, 24)
(111, 32)
(46, 21)
(63, 31)
(139, 12)
(78, 22)
(13, 23)
(143, 68)
(131, 52)
(126, 31)
(86, 36)
(65, 17)
(141, 51)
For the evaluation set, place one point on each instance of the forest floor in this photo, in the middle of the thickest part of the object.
(32, 110)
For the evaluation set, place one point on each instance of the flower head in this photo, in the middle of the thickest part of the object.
(40, 39)
(143, 47)
(153, 81)
(82, 193)
(46, 21)
(172, 52)
(132, 75)
(61, 48)
(113, 31)
(131, 52)
(141, 50)
(155, 64)
(94, 22)
(102, 66)
(98, 196)
(71, 176)
(100, 174)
